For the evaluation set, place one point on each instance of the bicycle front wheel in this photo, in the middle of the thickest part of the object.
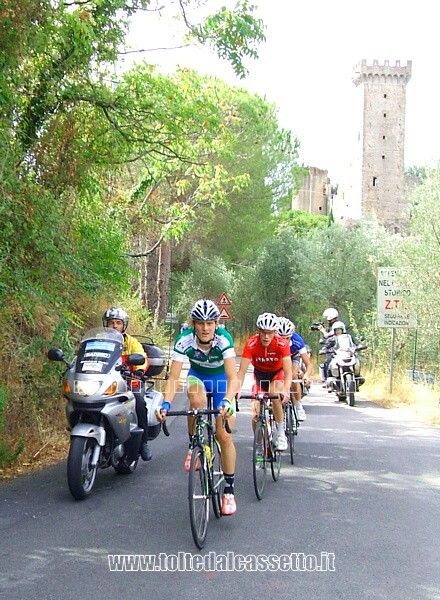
(217, 480)
(259, 459)
(198, 496)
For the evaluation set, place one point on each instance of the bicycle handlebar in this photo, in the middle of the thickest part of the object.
(261, 396)
(192, 412)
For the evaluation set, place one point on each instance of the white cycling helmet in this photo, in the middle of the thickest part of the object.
(338, 325)
(285, 326)
(330, 313)
(268, 321)
(205, 310)
(115, 312)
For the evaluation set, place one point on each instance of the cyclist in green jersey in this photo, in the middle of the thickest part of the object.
(210, 351)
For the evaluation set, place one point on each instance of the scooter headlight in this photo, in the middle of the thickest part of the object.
(87, 388)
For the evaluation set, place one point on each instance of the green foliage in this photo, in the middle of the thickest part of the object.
(7, 455)
(233, 34)
(418, 173)
(420, 251)
(300, 223)
(68, 130)
(206, 278)
(301, 276)
(255, 152)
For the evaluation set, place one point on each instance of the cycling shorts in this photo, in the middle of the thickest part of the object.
(296, 359)
(263, 379)
(214, 384)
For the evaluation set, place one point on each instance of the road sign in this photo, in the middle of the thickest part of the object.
(224, 300)
(224, 315)
(394, 298)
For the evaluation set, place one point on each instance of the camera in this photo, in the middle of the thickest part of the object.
(316, 326)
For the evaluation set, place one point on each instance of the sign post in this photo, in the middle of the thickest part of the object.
(393, 304)
(222, 303)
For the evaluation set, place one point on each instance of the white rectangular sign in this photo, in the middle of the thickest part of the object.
(394, 298)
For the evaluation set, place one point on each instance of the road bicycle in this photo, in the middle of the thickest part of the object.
(264, 451)
(206, 479)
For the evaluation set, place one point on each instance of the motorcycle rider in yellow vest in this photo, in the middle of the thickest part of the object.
(116, 318)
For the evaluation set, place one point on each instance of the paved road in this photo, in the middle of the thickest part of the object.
(365, 489)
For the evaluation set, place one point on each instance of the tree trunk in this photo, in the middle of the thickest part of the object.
(162, 281)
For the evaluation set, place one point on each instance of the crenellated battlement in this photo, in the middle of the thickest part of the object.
(394, 74)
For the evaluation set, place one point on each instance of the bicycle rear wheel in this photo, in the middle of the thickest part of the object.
(198, 496)
(218, 480)
(259, 458)
(291, 430)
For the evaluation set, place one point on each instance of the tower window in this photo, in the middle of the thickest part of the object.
(383, 156)
(384, 137)
(384, 95)
(384, 114)
(374, 181)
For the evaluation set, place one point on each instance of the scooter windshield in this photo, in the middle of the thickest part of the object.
(100, 351)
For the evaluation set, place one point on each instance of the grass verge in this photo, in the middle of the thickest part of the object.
(421, 400)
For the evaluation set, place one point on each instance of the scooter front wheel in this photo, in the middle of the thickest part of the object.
(80, 472)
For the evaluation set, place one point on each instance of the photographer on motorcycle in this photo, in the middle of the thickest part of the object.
(116, 318)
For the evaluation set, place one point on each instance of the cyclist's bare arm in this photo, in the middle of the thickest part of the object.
(244, 364)
(171, 385)
(231, 374)
(309, 366)
(287, 368)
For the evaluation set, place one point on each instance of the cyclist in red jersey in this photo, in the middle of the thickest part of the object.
(269, 354)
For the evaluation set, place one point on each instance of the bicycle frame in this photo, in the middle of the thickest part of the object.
(264, 451)
(206, 479)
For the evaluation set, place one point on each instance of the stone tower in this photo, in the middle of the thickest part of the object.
(313, 194)
(382, 140)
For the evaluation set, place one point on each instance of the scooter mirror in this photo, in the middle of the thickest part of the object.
(136, 359)
(55, 354)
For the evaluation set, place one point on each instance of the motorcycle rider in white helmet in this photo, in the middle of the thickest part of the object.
(331, 315)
